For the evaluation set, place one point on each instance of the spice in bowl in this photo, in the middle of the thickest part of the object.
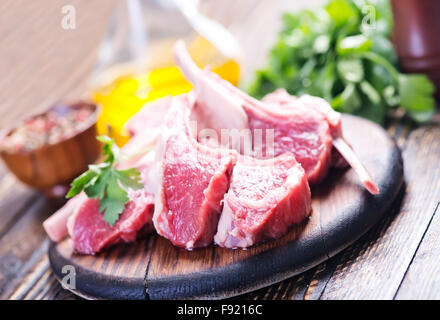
(48, 150)
(59, 123)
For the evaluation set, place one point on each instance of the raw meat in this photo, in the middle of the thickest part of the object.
(342, 154)
(192, 180)
(305, 134)
(149, 117)
(280, 98)
(91, 233)
(198, 189)
(215, 105)
(311, 143)
(56, 225)
(145, 130)
(264, 199)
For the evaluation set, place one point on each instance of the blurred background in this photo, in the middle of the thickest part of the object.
(43, 63)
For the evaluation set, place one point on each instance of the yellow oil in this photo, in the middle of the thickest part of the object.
(129, 92)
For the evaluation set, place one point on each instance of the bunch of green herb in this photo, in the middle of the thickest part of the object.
(106, 183)
(342, 53)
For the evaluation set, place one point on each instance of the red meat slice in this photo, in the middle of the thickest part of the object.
(91, 233)
(144, 128)
(342, 154)
(280, 98)
(264, 199)
(192, 180)
(305, 134)
(314, 155)
(56, 224)
(149, 118)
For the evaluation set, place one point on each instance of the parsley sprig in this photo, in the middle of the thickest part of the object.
(342, 52)
(106, 183)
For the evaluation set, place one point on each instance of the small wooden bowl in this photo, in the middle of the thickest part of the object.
(52, 167)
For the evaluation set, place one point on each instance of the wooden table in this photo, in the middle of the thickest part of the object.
(41, 63)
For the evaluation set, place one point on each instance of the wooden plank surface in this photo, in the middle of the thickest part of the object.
(42, 63)
(419, 282)
(378, 268)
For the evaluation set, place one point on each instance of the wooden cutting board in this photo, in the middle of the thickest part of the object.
(342, 212)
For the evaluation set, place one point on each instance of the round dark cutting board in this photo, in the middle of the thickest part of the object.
(342, 212)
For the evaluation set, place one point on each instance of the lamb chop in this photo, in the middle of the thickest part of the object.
(282, 99)
(144, 129)
(91, 233)
(56, 225)
(342, 150)
(193, 183)
(82, 220)
(311, 142)
(191, 180)
(145, 132)
(149, 118)
(305, 133)
(264, 199)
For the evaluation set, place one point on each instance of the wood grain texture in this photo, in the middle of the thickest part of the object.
(18, 250)
(11, 209)
(121, 270)
(40, 284)
(376, 269)
(421, 279)
(342, 212)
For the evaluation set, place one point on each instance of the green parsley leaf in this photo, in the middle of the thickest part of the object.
(370, 92)
(351, 70)
(348, 101)
(129, 178)
(416, 96)
(106, 183)
(110, 150)
(80, 182)
(353, 44)
(114, 200)
(335, 53)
